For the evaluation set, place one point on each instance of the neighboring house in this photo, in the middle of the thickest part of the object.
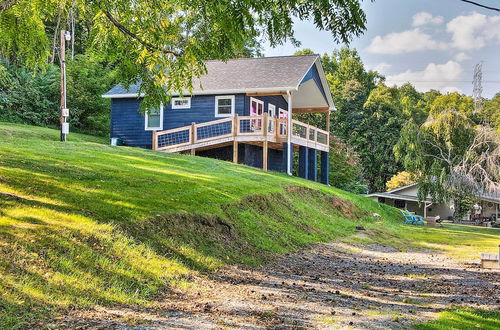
(240, 111)
(406, 198)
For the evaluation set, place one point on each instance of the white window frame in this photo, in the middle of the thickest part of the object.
(280, 111)
(146, 119)
(224, 97)
(188, 106)
(253, 99)
(269, 107)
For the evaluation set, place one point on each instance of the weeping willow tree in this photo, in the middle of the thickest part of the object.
(456, 159)
(162, 45)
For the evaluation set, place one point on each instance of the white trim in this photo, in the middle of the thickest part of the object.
(206, 92)
(122, 96)
(269, 106)
(326, 85)
(188, 106)
(396, 196)
(289, 135)
(146, 128)
(258, 102)
(305, 74)
(401, 188)
(222, 97)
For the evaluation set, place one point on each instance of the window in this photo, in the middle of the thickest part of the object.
(400, 204)
(282, 114)
(256, 107)
(224, 106)
(181, 102)
(271, 110)
(153, 119)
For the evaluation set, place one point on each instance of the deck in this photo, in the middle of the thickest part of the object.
(260, 130)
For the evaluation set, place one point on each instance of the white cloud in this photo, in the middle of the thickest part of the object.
(435, 76)
(404, 42)
(473, 31)
(424, 18)
(468, 32)
(382, 67)
(460, 57)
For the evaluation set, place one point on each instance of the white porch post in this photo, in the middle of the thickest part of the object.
(496, 213)
(289, 135)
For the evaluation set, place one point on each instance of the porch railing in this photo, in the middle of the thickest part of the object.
(261, 127)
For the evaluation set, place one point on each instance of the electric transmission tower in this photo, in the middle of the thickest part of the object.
(477, 90)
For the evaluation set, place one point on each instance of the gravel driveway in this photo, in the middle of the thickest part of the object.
(333, 285)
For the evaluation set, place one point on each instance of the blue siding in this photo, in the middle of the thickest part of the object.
(202, 110)
(253, 157)
(278, 100)
(127, 123)
(314, 74)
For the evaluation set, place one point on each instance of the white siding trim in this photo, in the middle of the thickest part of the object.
(207, 92)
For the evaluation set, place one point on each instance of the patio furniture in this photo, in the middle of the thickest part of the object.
(411, 218)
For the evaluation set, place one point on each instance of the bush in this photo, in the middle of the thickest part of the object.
(34, 97)
(29, 98)
(87, 81)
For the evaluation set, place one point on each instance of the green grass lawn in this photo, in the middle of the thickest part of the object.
(460, 319)
(83, 223)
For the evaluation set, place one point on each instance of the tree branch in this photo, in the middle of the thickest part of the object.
(7, 4)
(134, 36)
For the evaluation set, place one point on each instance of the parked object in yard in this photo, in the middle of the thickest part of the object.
(412, 219)
(431, 221)
(490, 261)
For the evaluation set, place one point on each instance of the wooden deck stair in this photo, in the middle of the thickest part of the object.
(260, 130)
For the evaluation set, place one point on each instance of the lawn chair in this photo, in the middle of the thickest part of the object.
(408, 217)
(412, 219)
(419, 220)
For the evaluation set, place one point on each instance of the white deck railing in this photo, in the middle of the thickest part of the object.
(241, 128)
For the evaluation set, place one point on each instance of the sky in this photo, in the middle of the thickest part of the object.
(434, 44)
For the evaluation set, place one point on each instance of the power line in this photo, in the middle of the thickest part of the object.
(481, 5)
(443, 81)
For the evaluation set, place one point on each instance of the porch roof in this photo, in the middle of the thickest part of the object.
(389, 195)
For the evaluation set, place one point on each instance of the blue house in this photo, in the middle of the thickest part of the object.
(242, 111)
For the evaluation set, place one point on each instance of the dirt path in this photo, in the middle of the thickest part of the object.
(328, 286)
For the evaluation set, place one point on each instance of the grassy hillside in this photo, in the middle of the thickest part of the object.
(84, 223)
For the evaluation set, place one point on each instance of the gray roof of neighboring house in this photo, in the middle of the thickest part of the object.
(395, 196)
(280, 73)
(495, 198)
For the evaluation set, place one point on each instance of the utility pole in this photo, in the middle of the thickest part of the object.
(65, 36)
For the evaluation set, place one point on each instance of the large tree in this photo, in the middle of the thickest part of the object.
(163, 44)
(376, 134)
(455, 158)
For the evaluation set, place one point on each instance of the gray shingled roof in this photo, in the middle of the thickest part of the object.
(281, 72)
